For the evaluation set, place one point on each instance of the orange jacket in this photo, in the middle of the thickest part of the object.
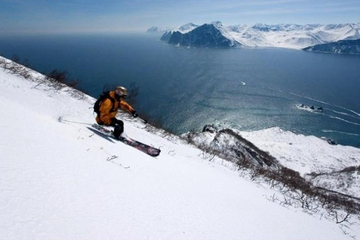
(108, 111)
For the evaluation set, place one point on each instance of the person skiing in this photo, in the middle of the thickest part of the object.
(109, 106)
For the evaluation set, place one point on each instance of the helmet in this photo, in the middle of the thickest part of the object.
(121, 91)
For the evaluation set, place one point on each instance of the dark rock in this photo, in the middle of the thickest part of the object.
(340, 47)
(210, 128)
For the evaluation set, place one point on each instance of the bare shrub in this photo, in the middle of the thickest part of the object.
(56, 80)
(297, 190)
(62, 77)
(133, 93)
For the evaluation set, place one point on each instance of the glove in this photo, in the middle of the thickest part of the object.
(135, 114)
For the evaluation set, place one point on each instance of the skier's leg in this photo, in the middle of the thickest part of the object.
(118, 127)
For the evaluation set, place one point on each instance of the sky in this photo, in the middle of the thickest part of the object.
(82, 16)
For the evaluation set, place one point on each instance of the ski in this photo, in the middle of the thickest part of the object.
(140, 146)
(152, 151)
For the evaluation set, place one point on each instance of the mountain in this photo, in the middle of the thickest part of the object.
(155, 29)
(292, 36)
(61, 180)
(181, 30)
(340, 47)
(206, 35)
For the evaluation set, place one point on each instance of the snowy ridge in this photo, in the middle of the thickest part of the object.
(308, 155)
(183, 29)
(61, 181)
(340, 47)
(155, 29)
(292, 36)
(187, 28)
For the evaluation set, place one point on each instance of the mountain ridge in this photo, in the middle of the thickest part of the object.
(293, 36)
(339, 47)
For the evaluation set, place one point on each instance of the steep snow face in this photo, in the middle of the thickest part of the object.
(283, 35)
(59, 180)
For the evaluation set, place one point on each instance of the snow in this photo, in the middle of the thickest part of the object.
(58, 180)
(187, 28)
(304, 154)
(309, 154)
(294, 36)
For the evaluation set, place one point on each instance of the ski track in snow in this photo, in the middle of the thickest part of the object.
(60, 181)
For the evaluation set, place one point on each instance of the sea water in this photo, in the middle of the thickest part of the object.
(186, 88)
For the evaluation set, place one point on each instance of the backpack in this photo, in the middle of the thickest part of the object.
(103, 97)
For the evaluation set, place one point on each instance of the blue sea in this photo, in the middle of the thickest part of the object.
(184, 89)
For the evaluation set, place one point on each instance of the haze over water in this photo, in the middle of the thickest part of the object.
(246, 89)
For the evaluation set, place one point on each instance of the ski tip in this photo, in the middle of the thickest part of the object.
(154, 152)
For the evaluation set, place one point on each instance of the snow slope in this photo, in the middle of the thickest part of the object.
(59, 180)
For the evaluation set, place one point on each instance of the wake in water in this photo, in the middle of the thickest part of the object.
(345, 114)
(346, 111)
(329, 104)
(342, 119)
(340, 132)
(334, 121)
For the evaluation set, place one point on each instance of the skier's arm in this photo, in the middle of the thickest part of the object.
(125, 106)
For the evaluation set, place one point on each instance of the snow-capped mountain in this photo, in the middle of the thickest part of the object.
(262, 35)
(206, 35)
(183, 29)
(156, 29)
(187, 27)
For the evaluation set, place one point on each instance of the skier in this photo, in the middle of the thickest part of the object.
(109, 106)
